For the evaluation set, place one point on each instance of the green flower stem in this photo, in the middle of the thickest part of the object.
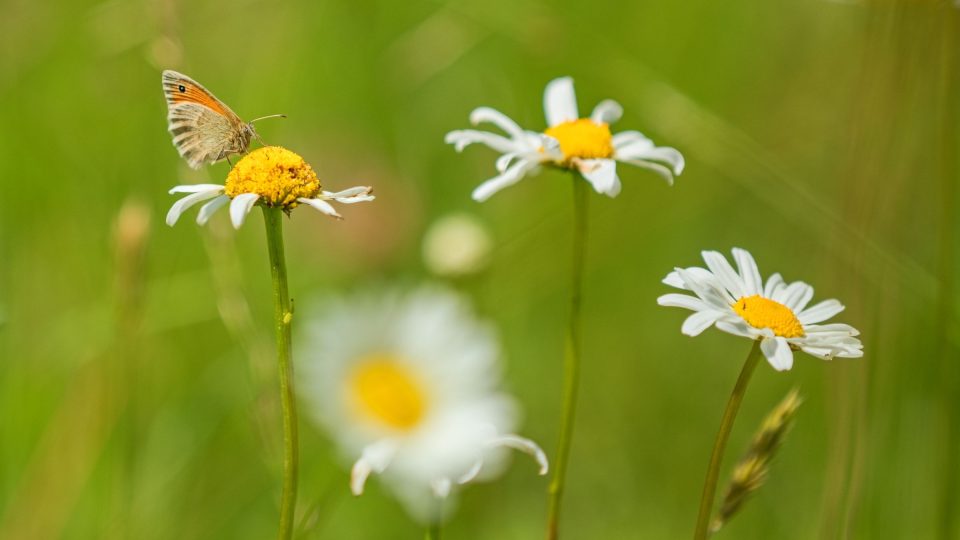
(729, 415)
(571, 365)
(433, 531)
(283, 315)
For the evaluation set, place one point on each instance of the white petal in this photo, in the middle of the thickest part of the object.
(509, 177)
(560, 101)
(698, 322)
(358, 475)
(350, 196)
(820, 312)
(607, 111)
(778, 353)
(195, 188)
(774, 282)
(524, 445)
(208, 209)
(374, 458)
(737, 328)
(625, 138)
(645, 150)
(441, 487)
(460, 139)
(185, 203)
(602, 174)
(504, 122)
(240, 207)
(749, 273)
(664, 172)
(832, 329)
(472, 473)
(321, 205)
(718, 264)
(682, 301)
(673, 279)
(799, 296)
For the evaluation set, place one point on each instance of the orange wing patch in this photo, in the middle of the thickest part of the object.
(185, 92)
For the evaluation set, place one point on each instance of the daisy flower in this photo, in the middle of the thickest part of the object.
(407, 386)
(776, 313)
(570, 142)
(271, 176)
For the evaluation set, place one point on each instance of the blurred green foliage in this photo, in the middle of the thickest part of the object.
(137, 390)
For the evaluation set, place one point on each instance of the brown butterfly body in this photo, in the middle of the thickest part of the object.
(204, 129)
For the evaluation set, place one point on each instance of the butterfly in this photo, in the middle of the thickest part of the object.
(204, 129)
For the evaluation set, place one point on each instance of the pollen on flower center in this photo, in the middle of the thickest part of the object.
(583, 139)
(384, 391)
(278, 175)
(760, 312)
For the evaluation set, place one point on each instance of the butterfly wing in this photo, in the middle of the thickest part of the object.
(204, 129)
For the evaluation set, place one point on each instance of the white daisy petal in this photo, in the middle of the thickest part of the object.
(749, 273)
(820, 312)
(208, 209)
(323, 206)
(645, 150)
(798, 296)
(737, 328)
(195, 188)
(560, 101)
(602, 175)
(607, 111)
(664, 172)
(774, 282)
(526, 446)
(463, 138)
(185, 203)
(511, 176)
(441, 487)
(778, 353)
(695, 324)
(502, 121)
(240, 207)
(624, 138)
(718, 264)
(682, 301)
(350, 196)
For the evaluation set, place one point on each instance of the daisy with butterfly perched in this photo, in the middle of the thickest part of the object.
(205, 130)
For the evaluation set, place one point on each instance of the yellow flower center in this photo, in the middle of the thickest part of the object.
(383, 390)
(278, 175)
(583, 139)
(760, 312)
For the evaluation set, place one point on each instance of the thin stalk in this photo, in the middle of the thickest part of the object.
(571, 364)
(283, 315)
(726, 425)
(433, 531)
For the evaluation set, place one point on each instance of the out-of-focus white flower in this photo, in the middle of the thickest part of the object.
(569, 142)
(776, 313)
(406, 383)
(456, 245)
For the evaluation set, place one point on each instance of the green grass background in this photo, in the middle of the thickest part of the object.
(137, 386)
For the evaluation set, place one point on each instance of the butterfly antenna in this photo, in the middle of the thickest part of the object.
(268, 116)
(257, 135)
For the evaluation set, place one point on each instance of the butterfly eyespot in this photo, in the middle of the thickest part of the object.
(182, 88)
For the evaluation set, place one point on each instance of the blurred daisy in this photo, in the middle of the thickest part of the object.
(456, 245)
(569, 142)
(406, 384)
(271, 176)
(775, 313)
